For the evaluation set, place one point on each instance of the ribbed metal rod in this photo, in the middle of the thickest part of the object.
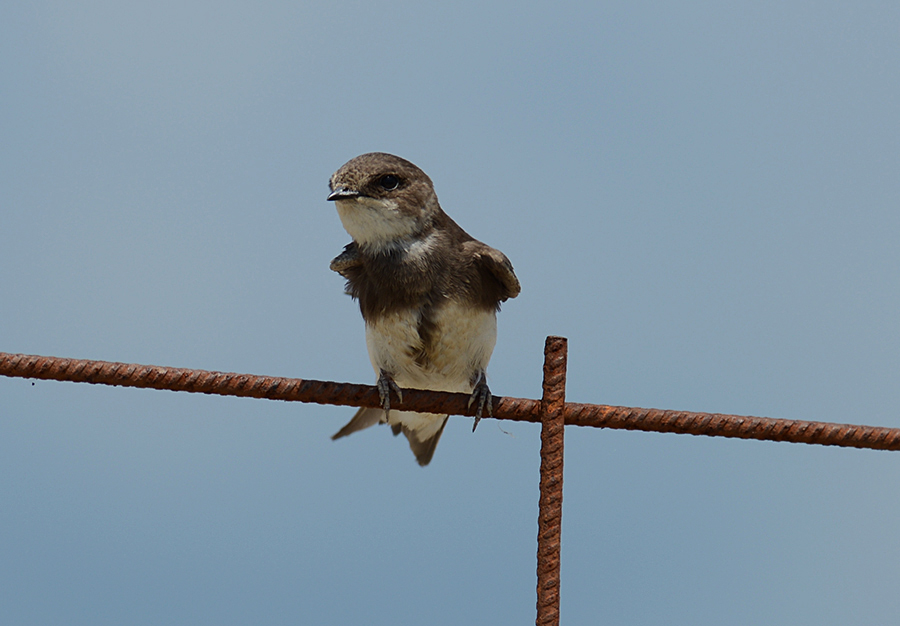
(518, 409)
(551, 486)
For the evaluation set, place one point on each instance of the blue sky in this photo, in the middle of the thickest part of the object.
(702, 197)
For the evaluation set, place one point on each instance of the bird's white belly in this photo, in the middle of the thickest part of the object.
(462, 345)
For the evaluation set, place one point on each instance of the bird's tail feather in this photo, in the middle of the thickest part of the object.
(424, 448)
(363, 418)
(422, 430)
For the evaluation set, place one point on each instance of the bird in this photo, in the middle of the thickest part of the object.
(427, 290)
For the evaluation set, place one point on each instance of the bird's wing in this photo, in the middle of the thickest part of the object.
(346, 260)
(498, 265)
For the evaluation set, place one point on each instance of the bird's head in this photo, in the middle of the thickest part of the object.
(383, 200)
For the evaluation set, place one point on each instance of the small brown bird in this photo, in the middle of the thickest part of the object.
(428, 292)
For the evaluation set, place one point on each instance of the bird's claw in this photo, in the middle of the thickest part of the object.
(385, 385)
(482, 395)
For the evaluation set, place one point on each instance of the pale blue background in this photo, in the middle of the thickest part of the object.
(703, 197)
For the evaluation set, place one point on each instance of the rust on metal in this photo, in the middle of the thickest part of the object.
(551, 486)
(518, 409)
(736, 426)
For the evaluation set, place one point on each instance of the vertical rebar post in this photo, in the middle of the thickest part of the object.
(550, 504)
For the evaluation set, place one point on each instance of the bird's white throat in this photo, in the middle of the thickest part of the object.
(376, 223)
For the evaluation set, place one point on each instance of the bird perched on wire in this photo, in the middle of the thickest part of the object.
(428, 292)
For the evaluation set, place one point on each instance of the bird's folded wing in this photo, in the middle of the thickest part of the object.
(498, 265)
(346, 260)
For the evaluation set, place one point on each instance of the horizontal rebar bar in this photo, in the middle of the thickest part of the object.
(518, 409)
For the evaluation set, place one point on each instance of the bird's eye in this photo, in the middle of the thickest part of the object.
(389, 182)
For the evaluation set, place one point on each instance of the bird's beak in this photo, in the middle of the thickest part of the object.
(342, 193)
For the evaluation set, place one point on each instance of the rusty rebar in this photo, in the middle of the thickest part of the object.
(518, 409)
(550, 503)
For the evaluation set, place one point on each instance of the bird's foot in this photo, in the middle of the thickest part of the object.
(482, 396)
(385, 384)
